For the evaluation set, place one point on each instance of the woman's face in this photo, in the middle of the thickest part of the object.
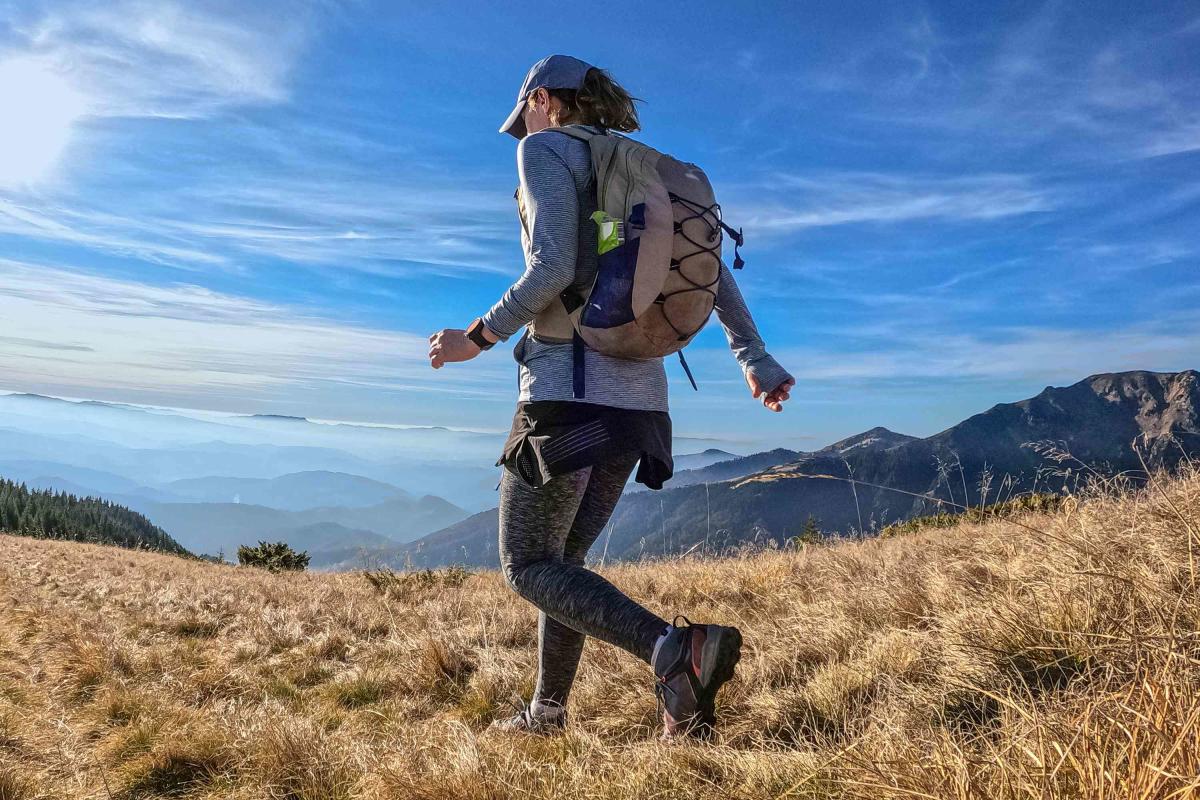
(538, 109)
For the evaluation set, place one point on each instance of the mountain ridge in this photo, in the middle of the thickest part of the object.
(211, 526)
(1095, 419)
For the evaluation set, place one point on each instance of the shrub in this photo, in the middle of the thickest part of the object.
(400, 585)
(1038, 502)
(272, 556)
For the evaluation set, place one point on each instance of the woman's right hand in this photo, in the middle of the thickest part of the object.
(451, 345)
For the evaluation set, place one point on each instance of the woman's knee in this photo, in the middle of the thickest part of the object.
(521, 576)
(512, 575)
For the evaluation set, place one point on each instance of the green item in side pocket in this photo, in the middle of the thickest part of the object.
(611, 233)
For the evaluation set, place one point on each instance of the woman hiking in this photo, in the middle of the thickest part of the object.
(570, 452)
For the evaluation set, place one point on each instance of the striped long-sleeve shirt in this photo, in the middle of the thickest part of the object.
(560, 250)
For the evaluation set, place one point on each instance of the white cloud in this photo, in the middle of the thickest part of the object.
(813, 201)
(349, 220)
(168, 59)
(1051, 83)
(77, 332)
(340, 221)
(1171, 141)
(337, 221)
(57, 223)
(286, 192)
(1016, 353)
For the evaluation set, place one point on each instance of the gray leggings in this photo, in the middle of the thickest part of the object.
(544, 535)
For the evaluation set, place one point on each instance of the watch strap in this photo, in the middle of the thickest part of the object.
(475, 334)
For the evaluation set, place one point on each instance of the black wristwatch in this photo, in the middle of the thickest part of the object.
(475, 334)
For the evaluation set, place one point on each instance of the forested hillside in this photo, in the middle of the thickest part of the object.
(57, 515)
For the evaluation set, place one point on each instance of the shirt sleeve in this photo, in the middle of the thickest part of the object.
(742, 334)
(552, 220)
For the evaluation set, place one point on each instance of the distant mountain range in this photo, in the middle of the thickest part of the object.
(89, 444)
(210, 527)
(292, 492)
(315, 510)
(770, 496)
(101, 447)
(296, 491)
(355, 494)
(702, 459)
(219, 480)
(738, 466)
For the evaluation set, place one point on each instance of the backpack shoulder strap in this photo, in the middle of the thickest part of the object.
(575, 132)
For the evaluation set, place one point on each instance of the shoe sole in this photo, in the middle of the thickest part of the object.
(721, 652)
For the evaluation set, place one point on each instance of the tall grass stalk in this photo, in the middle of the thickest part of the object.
(1050, 653)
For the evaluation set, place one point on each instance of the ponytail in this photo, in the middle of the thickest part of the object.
(599, 101)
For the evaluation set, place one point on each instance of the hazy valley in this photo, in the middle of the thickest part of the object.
(214, 481)
(355, 495)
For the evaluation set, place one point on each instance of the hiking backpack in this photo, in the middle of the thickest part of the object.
(659, 245)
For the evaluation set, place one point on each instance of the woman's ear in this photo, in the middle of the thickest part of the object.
(553, 108)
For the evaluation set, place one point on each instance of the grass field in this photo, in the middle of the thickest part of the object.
(1044, 655)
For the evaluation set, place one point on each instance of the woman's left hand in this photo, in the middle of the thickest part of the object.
(775, 398)
(450, 345)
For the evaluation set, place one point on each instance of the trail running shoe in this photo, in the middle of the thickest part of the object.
(547, 719)
(690, 665)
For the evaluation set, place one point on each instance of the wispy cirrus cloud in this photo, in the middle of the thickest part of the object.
(363, 225)
(1028, 353)
(904, 349)
(168, 59)
(19, 341)
(307, 191)
(352, 221)
(1054, 80)
(188, 344)
(54, 222)
(1183, 138)
(823, 200)
(931, 194)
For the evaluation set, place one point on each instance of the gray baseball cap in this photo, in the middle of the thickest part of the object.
(552, 72)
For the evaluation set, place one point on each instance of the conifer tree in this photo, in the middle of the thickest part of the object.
(58, 515)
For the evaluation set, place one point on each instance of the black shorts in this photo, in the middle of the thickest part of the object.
(554, 437)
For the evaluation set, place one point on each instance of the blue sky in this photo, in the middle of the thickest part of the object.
(268, 208)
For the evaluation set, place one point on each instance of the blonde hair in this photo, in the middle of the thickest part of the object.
(599, 101)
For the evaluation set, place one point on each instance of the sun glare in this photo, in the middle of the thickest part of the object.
(37, 109)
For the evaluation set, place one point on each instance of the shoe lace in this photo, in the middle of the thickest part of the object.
(661, 689)
(522, 709)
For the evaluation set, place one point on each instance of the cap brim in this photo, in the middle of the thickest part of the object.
(515, 125)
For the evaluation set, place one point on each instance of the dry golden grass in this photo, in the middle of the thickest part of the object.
(989, 660)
